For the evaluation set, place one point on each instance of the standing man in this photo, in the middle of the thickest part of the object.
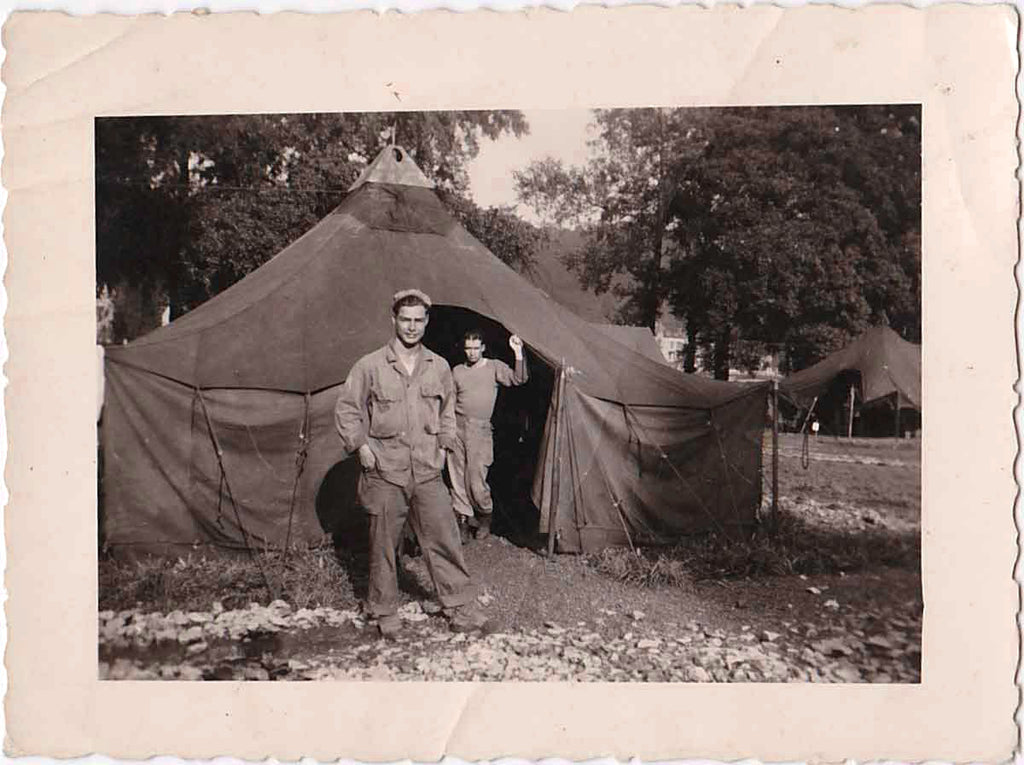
(397, 410)
(476, 390)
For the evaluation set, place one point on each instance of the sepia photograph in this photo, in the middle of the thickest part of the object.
(408, 386)
(616, 394)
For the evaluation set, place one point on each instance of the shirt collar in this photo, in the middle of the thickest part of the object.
(391, 352)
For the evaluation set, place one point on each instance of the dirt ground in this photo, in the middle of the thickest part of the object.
(567, 618)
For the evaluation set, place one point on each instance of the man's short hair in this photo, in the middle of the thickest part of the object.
(473, 334)
(405, 298)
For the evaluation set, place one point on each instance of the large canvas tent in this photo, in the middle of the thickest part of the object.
(218, 428)
(882, 368)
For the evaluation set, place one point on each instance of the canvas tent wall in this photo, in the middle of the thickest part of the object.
(218, 428)
(883, 369)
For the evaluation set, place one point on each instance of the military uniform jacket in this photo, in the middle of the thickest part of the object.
(407, 419)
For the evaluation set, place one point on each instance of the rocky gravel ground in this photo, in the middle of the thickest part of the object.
(277, 643)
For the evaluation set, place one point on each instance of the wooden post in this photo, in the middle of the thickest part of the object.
(775, 450)
(557, 468)
(897, 402)
(849, 429)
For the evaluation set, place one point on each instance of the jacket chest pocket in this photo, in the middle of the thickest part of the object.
(387, 409)
(432, 395)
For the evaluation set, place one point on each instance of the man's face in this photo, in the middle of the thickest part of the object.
(410, 324)
(474, 349)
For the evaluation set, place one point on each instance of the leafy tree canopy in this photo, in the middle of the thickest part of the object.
(762, 228)
(186, 206)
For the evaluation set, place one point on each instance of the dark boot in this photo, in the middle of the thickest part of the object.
(483, 529)
(389, 626)
(470, 618)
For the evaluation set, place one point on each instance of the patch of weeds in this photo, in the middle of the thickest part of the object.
(644, 567)
(319, 577)
(306, 578)
(787, 547)
(790, 546)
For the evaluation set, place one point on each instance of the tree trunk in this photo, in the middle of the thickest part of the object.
(175, 278)
(722, 355)
(653, 308)
(690, 351)
(650, 308)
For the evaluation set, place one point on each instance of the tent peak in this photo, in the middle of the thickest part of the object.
(393, 165)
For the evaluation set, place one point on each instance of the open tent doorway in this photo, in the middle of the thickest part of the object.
(884, 417)
(519, 416)
(877, 377)
(841, 402)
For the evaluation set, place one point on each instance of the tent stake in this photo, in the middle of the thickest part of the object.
(849, 428)
(556, 472)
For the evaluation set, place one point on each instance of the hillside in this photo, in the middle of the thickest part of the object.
(561, 284)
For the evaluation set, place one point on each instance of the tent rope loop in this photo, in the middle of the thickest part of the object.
(300, 465)
(805, 446)
(231, 496)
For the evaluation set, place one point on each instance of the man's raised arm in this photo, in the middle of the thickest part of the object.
(519, 375)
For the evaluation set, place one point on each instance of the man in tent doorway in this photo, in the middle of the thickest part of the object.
(397, 411)
(476, 390)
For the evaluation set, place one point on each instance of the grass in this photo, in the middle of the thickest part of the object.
(645, 568)
(307, 579)
(791, 547)
(336, 579)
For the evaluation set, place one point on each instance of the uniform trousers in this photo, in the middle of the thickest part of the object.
(428, 507)
(468, 465)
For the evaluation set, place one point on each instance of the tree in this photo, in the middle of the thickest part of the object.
(512, 239)
(186, 206)
(797, 228)
(764, 229)
(620, 199)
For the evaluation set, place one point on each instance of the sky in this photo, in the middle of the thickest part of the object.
(558, 133)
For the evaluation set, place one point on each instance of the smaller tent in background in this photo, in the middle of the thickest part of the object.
(638, 339)
(882, 370)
